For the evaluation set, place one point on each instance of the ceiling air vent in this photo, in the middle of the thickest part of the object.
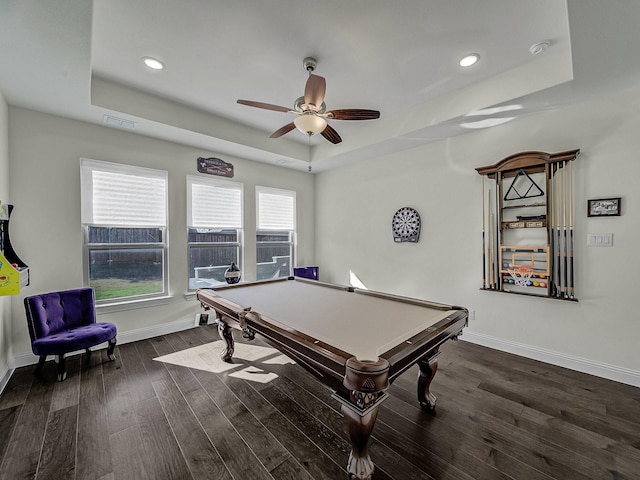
(118, 122)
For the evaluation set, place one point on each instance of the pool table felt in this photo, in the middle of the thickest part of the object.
(363, 325)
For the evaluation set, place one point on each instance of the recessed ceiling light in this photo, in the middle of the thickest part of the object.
(153, 63)
(469, 60)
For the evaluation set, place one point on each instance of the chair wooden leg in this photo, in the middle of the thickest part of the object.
(43, 358)
(62, 368)
(112, 346)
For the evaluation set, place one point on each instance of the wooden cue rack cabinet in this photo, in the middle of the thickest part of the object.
(527, 225)
(14, 273)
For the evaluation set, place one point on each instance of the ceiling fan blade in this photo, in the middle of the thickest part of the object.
(266, 106)
(314, 90)
(330, 134)
(281, 131)
(353, 114)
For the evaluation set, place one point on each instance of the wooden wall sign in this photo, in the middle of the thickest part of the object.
(215, 166)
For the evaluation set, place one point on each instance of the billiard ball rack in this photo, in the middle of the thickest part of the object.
(527, 225)
(532, 260)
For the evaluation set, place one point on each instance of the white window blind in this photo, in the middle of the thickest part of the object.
(115, 194)
(276, 209)
(213, 204)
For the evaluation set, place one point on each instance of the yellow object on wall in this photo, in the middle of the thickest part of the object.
(9, 278)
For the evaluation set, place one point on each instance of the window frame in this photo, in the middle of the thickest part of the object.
(87, 167)
(238, 244)
(292, 232)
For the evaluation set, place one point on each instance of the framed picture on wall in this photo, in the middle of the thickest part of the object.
(603, 207)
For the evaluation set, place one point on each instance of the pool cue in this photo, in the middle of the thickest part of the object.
(565, 178)
(563, 239)
(564, 228)
(549, 172)
(491, 264)
(571, 280)
(552, 189)
(498, 227)
(490, 251)
(488, 215)
(484, 248)
(558, 238)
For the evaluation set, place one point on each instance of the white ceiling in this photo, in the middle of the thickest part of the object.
(82, 60)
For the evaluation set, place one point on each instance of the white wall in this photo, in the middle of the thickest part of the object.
(45, 154)
(353, 210)
(598, 334)
(5, 302)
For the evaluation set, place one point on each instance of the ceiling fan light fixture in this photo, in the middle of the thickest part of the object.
(310, 124)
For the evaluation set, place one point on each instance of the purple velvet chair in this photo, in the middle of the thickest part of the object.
(64, 322)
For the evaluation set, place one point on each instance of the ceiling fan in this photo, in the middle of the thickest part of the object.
(311, 110)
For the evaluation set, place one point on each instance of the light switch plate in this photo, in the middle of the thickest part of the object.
(599, 239)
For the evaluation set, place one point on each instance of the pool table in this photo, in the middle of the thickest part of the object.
(355, 341)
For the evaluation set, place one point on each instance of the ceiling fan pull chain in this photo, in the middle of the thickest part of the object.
(309, 152)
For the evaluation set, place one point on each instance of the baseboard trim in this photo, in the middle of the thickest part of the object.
(5, 375)
(611, 372)
(155, 331)
(28, 358)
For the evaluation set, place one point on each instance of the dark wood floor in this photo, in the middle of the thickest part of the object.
(498, 417)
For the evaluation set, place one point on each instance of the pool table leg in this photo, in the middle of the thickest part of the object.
(359, 466)
(428, 368)
(225, 332)
(366, 382)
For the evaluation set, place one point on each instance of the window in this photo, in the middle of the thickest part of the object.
(214, 224)
(275, 234)
(124, 218)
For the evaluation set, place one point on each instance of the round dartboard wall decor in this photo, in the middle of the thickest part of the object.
(406, 225)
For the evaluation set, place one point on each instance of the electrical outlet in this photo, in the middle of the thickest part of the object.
(472, 315)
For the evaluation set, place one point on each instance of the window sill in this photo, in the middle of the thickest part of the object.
(191, 294)
(132, 304)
